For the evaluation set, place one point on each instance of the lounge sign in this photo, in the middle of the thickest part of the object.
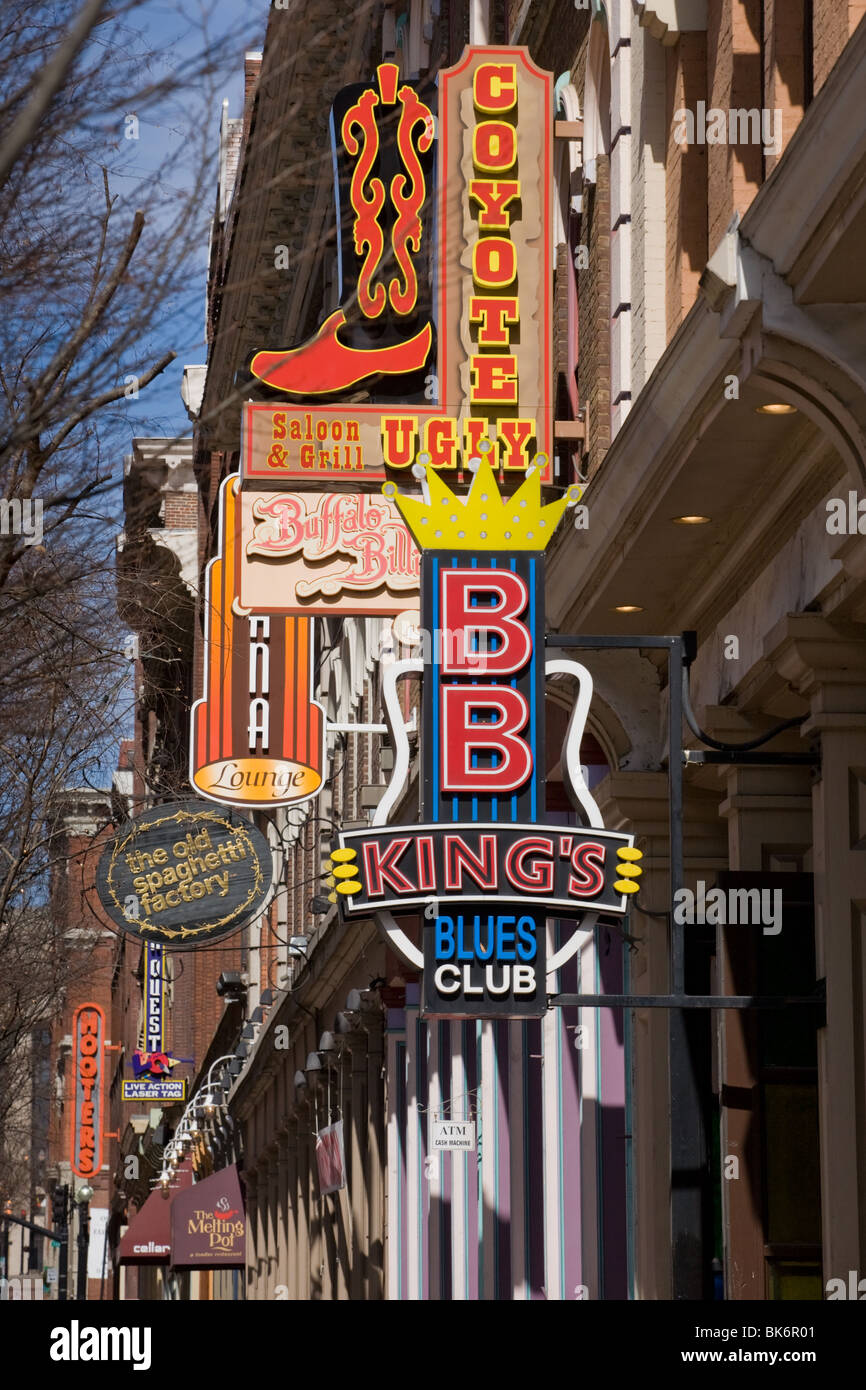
(185, 874)
(88, 1054)
(257, 736)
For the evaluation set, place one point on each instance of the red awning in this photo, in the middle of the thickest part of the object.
(208, 1223)
(147, 1241)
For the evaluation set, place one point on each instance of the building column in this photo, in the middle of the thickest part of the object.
(262, 1203)
(374, 1173)
(292, 1207)
(828, 667)
(764, 806)
(272, 1253)
(284, 1197)
(252, 1185)
(305, 1222)
(639, 801)
(357, 1163)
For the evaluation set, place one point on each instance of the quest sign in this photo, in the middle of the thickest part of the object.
(151, 1060)
(185, 874)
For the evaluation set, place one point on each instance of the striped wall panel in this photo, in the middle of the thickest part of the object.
(538, 1210)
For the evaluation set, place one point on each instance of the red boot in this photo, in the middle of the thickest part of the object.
(324, 365)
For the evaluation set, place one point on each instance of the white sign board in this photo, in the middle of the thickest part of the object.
(98, 1254)
(452, 1134)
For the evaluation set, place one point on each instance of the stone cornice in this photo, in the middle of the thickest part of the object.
(667, 19)
(822, 662)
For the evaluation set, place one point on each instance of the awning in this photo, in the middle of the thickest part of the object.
(208, 1223)
(147, 1241)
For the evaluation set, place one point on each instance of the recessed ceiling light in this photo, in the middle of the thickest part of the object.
(776, 408)
(628, 608)
(690, 520)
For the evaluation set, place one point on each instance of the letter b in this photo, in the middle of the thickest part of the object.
(461, 737)
(500, 621)
(444, 938)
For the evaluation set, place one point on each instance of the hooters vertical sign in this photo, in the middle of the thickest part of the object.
(88, 1054)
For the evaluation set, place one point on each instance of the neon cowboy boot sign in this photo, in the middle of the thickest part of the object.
(387, 128)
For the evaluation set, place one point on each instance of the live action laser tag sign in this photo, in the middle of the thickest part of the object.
(185, 874)
(483, 863)
(152, 1063)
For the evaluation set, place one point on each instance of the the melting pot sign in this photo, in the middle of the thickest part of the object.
(185, 874)
(208, 1223)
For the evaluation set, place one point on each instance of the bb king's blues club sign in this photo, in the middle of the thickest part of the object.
(484, 865)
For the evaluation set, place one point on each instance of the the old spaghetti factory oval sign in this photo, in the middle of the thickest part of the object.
(185, 873)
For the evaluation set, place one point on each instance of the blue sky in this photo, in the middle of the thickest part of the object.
(172, 135)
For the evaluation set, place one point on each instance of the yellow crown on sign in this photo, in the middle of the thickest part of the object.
(483, 520)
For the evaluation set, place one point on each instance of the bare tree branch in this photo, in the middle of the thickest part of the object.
(50, 81)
